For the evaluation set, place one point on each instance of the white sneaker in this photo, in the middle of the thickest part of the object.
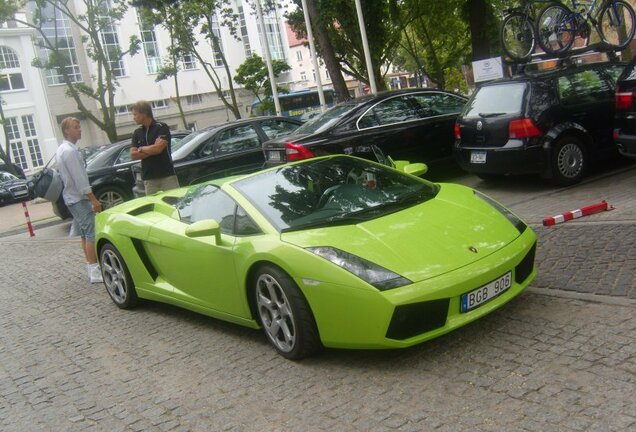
(95, 274)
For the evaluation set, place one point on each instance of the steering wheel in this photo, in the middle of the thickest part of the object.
(326, 196)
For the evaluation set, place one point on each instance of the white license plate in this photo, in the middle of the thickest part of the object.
(478, 157)
(274, 155)
(476, 298)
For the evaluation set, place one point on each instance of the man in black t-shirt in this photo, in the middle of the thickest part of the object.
(151, 144)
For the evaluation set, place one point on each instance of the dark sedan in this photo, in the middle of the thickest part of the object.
(227, 149)
(12, 189)
(414, 125)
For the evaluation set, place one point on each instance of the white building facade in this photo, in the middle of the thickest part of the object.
(45, 98)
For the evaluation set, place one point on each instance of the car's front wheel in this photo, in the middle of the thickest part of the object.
(568, 161)
(117, 279)
(284, 314)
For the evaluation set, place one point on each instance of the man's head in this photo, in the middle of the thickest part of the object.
(71, 129)
(142, 113)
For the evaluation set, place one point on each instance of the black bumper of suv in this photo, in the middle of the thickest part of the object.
(515, 157)
(626, 144)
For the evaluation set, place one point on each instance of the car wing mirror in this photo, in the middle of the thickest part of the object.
(416, 169)
(204, 228)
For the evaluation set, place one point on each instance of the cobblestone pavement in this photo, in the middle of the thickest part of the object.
(551, 360)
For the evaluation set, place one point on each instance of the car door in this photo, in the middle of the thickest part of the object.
(587, 99)
(395, 126)
(199, 270)
(439, 112)
(232, 150)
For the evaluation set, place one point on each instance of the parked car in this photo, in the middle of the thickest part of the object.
(15, 168)
(109, 173)
(322, 252)
(13, 189)
(625, 117)
(414, 125)
(552, 123)
(227, 149)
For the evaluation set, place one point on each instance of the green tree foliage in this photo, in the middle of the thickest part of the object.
(254, 76)
(96, 17)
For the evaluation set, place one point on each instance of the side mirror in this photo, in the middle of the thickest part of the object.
(416, 169)
(204, 228)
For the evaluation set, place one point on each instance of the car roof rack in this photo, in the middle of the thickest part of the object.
(565, 61)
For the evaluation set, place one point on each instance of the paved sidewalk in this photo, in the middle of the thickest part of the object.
(72, 361)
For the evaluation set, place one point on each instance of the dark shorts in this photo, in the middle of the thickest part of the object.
(84, 219)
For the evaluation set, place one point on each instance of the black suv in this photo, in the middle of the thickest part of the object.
(552, 123)
(625, 118)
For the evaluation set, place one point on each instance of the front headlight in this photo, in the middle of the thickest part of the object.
(518, 223)
(369, 272)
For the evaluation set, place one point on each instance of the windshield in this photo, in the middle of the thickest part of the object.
(494, 100)
(325, 120)
(332, 191)
(7, 177)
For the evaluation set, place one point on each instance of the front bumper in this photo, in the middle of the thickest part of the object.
(406, 316)
(513, 158)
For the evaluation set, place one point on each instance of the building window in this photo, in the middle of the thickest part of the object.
(327, 75)
(15, 143)
(110, 42)
(244, 36)
(149, 44)
(188, 61)
(273, 36)
(33, 144)
(10, 73)
(195, 99)
(57, 31)
(303, 76)
(159, 104)
(314, 74)
(299, 55)
(123, 110)
(216, 33)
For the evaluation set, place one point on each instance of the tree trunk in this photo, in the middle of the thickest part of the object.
(477, 19)
(327, 53)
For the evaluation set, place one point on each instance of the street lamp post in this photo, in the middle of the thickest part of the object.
(268, 57)
(312, 47)
(365, 46)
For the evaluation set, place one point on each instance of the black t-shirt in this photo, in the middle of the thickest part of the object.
(155, 166)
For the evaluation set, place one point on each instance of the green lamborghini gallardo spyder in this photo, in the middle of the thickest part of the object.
(326, 252)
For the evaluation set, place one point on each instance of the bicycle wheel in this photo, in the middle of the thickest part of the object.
(616, 23)
(517, 36)
(556, 29)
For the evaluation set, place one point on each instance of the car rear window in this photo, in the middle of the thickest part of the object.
(496, 99)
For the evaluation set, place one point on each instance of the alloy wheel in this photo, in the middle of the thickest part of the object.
(114, 277)
(110, 199)
(570, 160)
(275, 313)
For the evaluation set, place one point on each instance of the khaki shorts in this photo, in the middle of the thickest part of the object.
(161, 184)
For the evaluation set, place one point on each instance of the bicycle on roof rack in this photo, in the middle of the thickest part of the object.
(517, 31)
(557, 26)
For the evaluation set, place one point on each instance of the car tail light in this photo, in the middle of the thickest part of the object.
(624, 100)
(523, 128)
(458, 132)
(296, 152)
(617, 133)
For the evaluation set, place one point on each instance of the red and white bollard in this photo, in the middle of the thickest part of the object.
(28, 219)
(574, 214)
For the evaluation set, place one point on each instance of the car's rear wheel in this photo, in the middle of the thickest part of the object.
(568, 161)
(111, 196)
(284, 314)
(117, 279)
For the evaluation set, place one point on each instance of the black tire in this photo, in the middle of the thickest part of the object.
(609, 32)
(555, 30)
(490, 177)
(569, 161)
(110, 196)
(517, 36)
(284, 314)
(117, 278)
